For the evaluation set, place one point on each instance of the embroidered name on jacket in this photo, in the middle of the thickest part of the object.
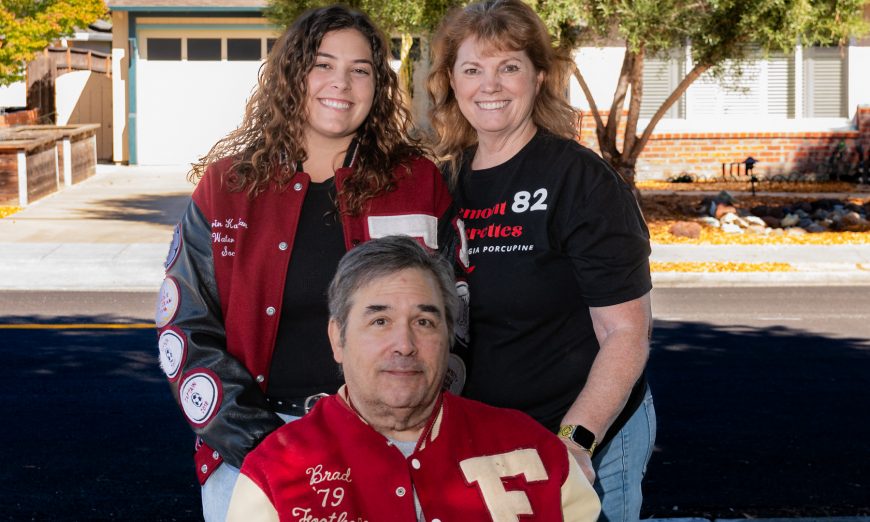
(224, 234)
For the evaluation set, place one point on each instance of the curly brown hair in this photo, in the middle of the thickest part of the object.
(506, 25)
(270, 138)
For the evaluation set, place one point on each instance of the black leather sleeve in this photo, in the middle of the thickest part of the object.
(239, 418)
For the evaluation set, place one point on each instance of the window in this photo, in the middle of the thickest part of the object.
(270, 42)
(243, 49)
(824, 83)
(163, 48)
(202, 49)
(661, 75)
(759, 86)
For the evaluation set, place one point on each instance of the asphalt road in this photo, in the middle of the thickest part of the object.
(761, 396)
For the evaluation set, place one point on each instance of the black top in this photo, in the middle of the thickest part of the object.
(302, 362)
(551, 232)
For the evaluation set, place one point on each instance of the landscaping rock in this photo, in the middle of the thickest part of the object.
(723, 209)
(789, 220)
(815, 228)
(728, 218)
(851, 219)
(709, 221)
(731, 228)
(759, 230)
(795, 231)
(753, 220)
(772, 222)
(688, 229)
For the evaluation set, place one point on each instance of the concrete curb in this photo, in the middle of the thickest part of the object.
(836, 276)
(139, 267)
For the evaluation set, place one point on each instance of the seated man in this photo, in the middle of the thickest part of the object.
(391, 445)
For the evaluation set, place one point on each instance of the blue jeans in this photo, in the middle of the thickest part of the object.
(218, 489)
(621, 465)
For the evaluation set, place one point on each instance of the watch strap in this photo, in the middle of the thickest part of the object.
(580, 435)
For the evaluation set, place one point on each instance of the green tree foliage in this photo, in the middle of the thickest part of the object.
(402, 18)
(29, 26)
(717, 31)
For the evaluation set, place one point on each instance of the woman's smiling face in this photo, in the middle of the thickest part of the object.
(495, 90)
(341, 86)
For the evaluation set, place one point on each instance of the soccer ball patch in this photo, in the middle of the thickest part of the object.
(173, 350)
(200, 396)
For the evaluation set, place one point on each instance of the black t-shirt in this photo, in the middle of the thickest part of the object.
(302, 362)
(551, 232)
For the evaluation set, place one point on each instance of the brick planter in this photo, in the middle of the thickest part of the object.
(76, 148)
(28, 169)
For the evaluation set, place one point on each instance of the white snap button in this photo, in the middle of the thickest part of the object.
(260, 378)
(400, 491)
(270, 310)
(297, 187)
(282, 245)
(204, 468)
(436, 520)
(415, 463)
(215, 455)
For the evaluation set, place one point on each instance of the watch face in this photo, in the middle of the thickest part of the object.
(566, 431)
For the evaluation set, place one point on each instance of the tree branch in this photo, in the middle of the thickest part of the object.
(599, 125)
(615, 115)
(684, 84)
(636, 81)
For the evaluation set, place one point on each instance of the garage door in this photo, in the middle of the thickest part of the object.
(191, 90)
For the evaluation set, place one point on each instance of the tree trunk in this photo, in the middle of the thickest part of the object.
(406, 67)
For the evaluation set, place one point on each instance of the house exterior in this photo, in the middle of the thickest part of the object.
(184, 69)
(788, 111)
(182, 73)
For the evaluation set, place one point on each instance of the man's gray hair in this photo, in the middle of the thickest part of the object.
(383, 257)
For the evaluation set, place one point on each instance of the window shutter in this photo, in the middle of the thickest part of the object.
(824, 83)
(780, 85)
(741, 90)
(661, 74)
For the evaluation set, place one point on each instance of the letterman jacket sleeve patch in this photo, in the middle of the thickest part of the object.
(216, 393)
(250, 504)
(580, 503)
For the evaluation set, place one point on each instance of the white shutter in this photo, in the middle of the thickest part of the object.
(661, 75)
(704, 97)
(824, 83)
(742, 90)
(780, 85)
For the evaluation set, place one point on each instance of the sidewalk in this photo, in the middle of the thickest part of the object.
(111, 233)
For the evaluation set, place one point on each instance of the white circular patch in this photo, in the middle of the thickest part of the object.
(172, 352)
(167, 302)
(454, 379)
(200, 397)
(174, 247)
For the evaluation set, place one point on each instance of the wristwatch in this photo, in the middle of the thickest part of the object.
(580, 435)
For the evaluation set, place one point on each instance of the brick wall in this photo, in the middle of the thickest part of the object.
(702, 154)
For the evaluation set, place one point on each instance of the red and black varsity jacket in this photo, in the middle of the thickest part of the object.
(219, 306)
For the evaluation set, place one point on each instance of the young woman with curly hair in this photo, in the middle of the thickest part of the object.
(321, 162)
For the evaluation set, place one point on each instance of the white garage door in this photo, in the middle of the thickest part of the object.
(188, 96)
